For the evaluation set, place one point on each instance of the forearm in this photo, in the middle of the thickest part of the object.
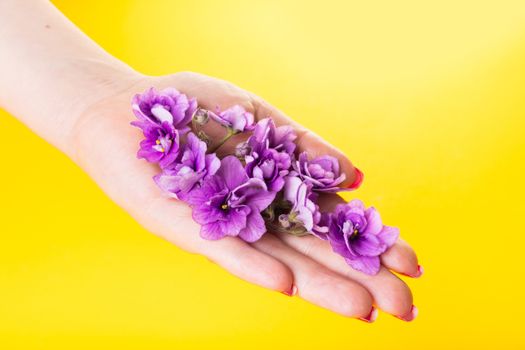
(50, 71)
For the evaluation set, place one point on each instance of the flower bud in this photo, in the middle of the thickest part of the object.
(284, 221)
(200, 116)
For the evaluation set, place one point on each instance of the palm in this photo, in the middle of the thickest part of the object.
(106, 145)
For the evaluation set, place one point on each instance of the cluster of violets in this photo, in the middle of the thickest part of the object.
(264, 184)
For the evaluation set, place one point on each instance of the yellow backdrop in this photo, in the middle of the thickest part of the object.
(428, 98)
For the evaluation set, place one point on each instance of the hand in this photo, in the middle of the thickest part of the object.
(105, 145)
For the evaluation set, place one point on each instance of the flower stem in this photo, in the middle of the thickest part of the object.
(228, 136)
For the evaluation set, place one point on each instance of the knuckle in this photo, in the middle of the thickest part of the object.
(303, 136)
(309, 246)
(186, 74)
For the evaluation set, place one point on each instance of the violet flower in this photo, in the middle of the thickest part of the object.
(230, 203)
(268, 153)
(235, 118)
(304, 215)
(161, 144)
(193, 168)
(322, 173)
(279, 138)
(270, 166)
(358, 234)
(168, 105)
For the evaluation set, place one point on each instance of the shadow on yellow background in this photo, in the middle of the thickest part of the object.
(427, 99)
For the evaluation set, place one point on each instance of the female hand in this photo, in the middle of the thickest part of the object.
(104, 144)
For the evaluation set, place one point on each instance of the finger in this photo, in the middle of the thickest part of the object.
(212, 93)
(390, 293)
(310, 142)
(402, 259)
(171, 220)
(111, 162)
(319, 285)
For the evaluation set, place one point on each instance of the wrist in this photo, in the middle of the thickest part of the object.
(91, 82)
(88, 84)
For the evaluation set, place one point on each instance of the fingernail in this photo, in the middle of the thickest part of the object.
(358, 179)
(418, 274)
(371, 316)
(291, 292)
(411, 315)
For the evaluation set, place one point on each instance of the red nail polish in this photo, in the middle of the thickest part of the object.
(411, 315)
(371, 316)
(418, 274)
(291, 292)
(420, 271)
(358, 179)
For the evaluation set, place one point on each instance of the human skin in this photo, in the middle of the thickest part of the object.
(76, 96)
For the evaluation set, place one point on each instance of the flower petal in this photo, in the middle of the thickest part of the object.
(389, 235)
(167, 183)
(261, 200)
(211, 190)
(367, 264)
(212, 163)
(212, 231)
(291, 188)
(162, 114)
(254, 194)
(232, 172)
(205, 214)
(235, 221)
(305, 216)
(254, 229)
(356, 203)
(368, 245)
(339, 246)
(374, 223)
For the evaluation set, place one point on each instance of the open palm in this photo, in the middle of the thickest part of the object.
(105, 146)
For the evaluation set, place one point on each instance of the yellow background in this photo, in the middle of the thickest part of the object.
(428, 98)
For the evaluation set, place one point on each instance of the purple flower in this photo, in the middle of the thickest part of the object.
(304, 215)
(161, 144)
(194, 166)
(235, 118)
(268, 153)
(168, 105)
(322, 173)
(230, 203)
(358, 234)
(279, 138)
(270, 166)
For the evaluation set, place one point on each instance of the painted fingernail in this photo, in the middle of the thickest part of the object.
(410, 316)
(358, 179)
(291, 292)
(420, 271)
(418, 274)
(371, 316)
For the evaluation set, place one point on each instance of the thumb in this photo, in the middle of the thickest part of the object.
(311, 143)
(211, 92)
